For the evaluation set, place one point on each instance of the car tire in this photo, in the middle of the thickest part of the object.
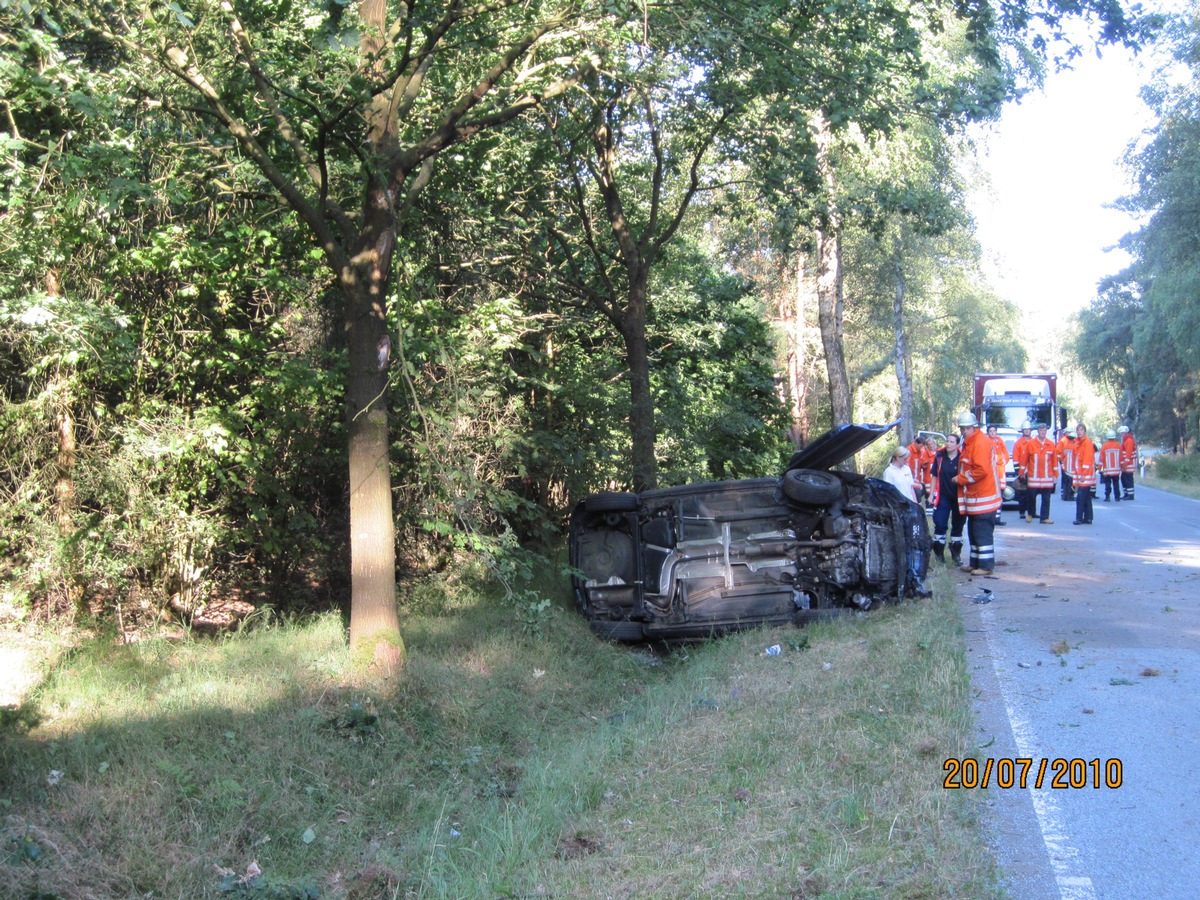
(612, 501)
(619, 631)
(811, 487)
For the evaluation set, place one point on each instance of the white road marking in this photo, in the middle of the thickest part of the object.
(1064, 857)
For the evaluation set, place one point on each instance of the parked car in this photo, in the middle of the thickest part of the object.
(696, 560)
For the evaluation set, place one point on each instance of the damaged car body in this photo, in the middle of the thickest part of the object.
(701, 559)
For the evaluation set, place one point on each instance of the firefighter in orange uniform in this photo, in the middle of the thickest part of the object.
(920, 458)
(1001, 455)
(1129, 456)
(1066, 448)
(1041, 473)
(1083, 475)
(978, 495)
(1110, 466)
(1020, 451)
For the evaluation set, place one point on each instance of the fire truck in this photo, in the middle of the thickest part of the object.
(1009, 399)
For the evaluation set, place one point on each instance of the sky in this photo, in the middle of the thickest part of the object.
(1046, 225)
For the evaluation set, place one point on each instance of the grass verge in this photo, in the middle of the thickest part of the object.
(507, 764)
(1188, 488)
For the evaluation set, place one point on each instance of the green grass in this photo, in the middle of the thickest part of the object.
(1186, 484)
(507, 764)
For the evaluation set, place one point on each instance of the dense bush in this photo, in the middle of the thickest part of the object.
(1178, 466)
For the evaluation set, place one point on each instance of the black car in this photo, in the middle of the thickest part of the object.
(696, 560)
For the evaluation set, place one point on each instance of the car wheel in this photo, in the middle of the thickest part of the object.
(612, 501)
(811, 487)
(619, 631)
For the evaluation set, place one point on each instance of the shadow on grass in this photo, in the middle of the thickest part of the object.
(506, 763)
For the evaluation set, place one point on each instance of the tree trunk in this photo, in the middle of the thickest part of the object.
(903, 372)
(829, 281)
(641, 399)
(64, 427)
(829, 314)
(64, 487)
(791, 314)
(374, 621)
(375, 639)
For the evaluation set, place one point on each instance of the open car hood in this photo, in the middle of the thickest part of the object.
(838, 445)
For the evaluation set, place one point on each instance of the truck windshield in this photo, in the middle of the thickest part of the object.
(1012, 416)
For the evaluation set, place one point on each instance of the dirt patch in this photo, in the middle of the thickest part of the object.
(18, 667)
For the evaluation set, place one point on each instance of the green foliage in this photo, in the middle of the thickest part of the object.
(1140, 337)
(720, 414)
(165, 277)
(1178, 467)
(203, 427)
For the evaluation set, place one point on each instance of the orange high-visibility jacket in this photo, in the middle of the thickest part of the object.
(1066, 449)
(1110, 458)
(1001, 455)
(977, 491)
(1084, 473)
(920, 458)
(1020, 453)
(1041, 463)
(1128, 453)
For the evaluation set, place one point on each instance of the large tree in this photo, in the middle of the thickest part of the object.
(339, 112)
(1140, 338)
(673, 121)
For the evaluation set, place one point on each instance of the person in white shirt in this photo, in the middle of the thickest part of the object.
(899, 475)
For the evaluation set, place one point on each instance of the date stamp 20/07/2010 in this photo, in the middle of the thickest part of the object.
(1024, 771)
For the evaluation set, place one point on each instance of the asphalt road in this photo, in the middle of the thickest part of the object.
(1091, 651)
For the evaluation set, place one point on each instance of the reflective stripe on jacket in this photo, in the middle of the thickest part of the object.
(1066, 450)
(1128, 453)
(1000, 454)
(1041, 459)
(977, 492)
(1084, 473)
(1110, 458)
(1020, 452)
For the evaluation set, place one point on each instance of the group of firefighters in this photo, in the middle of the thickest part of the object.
(1039, 460)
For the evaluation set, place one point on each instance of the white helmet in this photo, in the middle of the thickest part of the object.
(1025, 426)
(1112, 435)
(1124, 429)
(968, 419)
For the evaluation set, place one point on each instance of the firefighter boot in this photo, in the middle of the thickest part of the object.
(956, 552)
(939, 550)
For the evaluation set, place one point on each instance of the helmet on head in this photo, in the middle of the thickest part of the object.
(1112, 435)
(1124, 429)
(966, 419)
(1025, 426)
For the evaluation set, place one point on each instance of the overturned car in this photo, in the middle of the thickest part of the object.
(696, 560)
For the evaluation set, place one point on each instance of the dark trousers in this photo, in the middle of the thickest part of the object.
(1083, 505)
(1022, 497)
(1068, 488)
(1043, 495)
(1127, 484)
(981, 531)
(946, 514)
(1112, 485)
